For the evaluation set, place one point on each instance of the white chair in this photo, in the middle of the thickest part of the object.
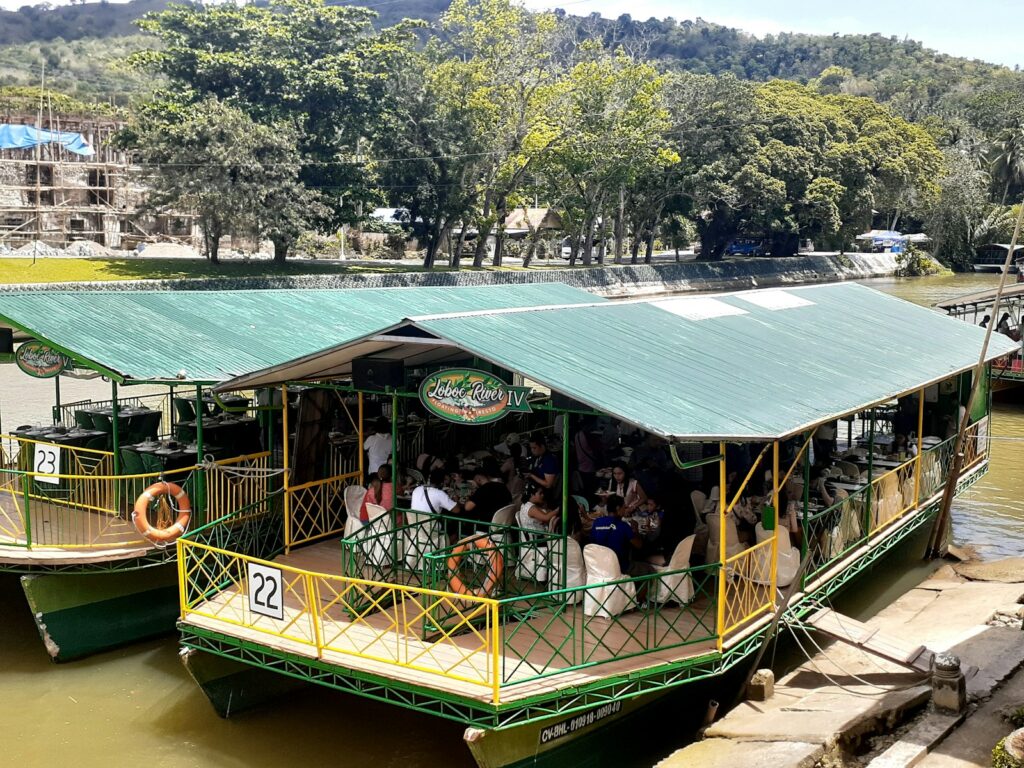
(849, 469)
(354, 495)
(420, 536)
(379, 553)
(506, 516)
(787, 559)
(534, 557)
(699, 500)
(676, 587)
(733, 546)
(608, 601)
(575, 571)
(416, 476)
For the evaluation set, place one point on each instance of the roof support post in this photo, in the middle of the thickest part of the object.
(56, 399)
(287, 490)
(565, 502)
(920, 446)
(805, 502)
(778, 518)
(721, 545)
(394, 454)
(361, 450)
(115, 439)
(200, 453)
(868, 515)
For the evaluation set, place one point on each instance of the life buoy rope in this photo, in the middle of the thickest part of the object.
(140, 515)
(495, 566)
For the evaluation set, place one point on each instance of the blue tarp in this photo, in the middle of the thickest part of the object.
(28, 136)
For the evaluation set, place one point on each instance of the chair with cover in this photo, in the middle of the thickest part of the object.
(603, 599)
(733, 546)
(575, 570)
(144, 426)
(698, 499)
(787, 560)
(83, 420)
(354, 495)
(184, 409)
(676, 587)
(378, 554)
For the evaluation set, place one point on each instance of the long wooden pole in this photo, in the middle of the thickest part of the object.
(936, 543)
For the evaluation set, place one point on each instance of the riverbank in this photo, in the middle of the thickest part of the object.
(610, 280)
(845, 707)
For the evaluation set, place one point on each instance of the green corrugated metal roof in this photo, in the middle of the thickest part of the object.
(214, 335)
(750, 365)
(757, 364)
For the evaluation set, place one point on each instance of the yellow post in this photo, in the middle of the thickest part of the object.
(182, 595)
(359, 432)
(920, 446)
(495, 644)
(778, 518)
(313, 605)
(287, 492)
(721, 545)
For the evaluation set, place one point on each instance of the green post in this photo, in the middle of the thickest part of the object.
(565, 501)
(115, 434)
(871, 470)
(170, 411)
(806, 501)
(200, 453)
(56, 393)
(394, 449)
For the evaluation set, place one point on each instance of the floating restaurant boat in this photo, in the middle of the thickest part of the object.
(974, 307)
(94, 574)
(516, 633)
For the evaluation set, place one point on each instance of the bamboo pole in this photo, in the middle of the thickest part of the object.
(937, 544)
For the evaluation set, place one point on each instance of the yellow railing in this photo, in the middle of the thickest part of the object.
(323, 615)
(893, 494)
(316, 509)
(227, 490)
(748, 585)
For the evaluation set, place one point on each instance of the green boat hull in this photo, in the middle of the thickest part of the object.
(81, 614)
(233, 687)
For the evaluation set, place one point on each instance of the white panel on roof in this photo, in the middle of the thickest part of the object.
(698, 308)
(774, 300)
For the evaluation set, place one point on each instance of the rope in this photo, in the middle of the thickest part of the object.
(235, 470)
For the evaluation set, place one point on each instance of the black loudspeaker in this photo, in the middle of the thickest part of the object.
(6, 341)
(377, 373)
(565, 403)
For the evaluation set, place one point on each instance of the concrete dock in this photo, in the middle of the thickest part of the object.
(844, 707)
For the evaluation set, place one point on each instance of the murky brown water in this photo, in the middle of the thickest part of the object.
(136, 706)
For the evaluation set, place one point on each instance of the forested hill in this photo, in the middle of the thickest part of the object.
(912, 79)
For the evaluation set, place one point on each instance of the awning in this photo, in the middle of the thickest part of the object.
(209, 336)
(754, 365)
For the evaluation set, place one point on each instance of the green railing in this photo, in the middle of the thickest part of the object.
(254, 531)
(553, 632)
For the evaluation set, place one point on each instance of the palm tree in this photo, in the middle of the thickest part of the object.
(1008, 165)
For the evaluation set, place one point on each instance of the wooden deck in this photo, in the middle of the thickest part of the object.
(63, 535)
(375, 643)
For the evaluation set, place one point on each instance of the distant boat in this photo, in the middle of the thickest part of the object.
(991, 258)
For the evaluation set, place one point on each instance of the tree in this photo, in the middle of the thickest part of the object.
(319, 68)
(236, 175)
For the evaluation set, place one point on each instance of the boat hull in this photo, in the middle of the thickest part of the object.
(231, 686)
(79, 614)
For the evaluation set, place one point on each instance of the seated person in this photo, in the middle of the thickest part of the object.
(431, 498)
(372, 496)
(625, 487)
(534, 514)
(615, 533)
(649, 524)
(902, 449)
(490, 495)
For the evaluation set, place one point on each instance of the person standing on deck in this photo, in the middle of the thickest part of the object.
(378, 447)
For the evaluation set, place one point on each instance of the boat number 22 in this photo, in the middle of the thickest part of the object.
(265, 591)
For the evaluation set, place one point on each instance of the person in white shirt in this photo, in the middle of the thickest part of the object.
(378, 447)
(431, 499)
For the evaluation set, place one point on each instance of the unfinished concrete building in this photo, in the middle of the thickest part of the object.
(62, 181)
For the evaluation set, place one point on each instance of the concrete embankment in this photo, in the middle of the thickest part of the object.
(611, 281)
(844, 707)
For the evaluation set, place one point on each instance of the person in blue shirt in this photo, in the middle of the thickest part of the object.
(544, 468)
(615, 533)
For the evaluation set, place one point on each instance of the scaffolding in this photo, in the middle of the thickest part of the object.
(53, 196)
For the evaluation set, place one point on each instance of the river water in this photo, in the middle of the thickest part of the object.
(137, 706)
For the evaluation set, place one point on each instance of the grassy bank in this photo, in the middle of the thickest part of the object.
(86, 270)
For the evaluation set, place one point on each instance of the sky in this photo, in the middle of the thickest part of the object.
(983, 29)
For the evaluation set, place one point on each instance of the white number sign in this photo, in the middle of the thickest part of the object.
(266, 591)
(47, 462)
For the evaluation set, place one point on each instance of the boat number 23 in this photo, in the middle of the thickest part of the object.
(266, 591)
(47, 462)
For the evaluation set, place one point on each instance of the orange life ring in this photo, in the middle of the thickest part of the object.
(140, 516)
(495, 566)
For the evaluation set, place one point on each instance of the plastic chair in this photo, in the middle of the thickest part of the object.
(608, 600)
(676, 587)
(83, 420)
(733, 546)
(534, 557)
(353, 503)
(506, 516)
(576, 569)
